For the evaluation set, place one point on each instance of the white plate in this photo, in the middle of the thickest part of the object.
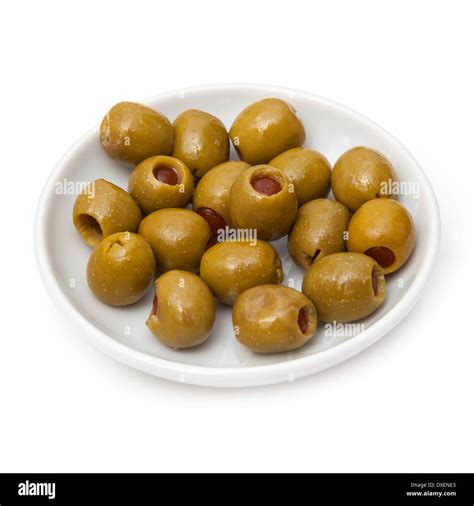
(221, 361)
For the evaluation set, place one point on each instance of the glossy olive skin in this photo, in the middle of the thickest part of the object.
(121, 269)
(345, 287)
(160, 182)
(201, 141)
(319, 230)
(132, 132)
(230, 268)
(183, 310)
(265, 129)
(103, 209)
(271, 215)
(361, 174)
(273, 319)
(178, 238)
(308, 170)
(213, 190)
(384, 230)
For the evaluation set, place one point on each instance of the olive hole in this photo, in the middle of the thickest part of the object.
(382, 255)
(116, 245)
(90, 229)
(154, 309)
(378, 282)
(375, 282)
(303, 320)
(167, 175)
(315, 256)
(215, 221)
(266, 185)
(310, 259)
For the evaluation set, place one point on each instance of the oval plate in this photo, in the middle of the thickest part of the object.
(221, 361)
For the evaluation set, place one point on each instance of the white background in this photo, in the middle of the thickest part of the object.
(406, 404)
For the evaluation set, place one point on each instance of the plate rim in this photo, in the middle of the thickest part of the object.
(245, 376)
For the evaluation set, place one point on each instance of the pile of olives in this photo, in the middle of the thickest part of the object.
(184, 192)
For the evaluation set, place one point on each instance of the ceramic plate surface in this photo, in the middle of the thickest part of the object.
(221, 361)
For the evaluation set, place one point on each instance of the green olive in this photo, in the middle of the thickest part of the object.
(211, 197)
(159, 182)
(183, 310)
(121, 269)
(345, 287)
(361, 174)
(273, 319)
(229, 268)
(265, 129)
(261, 199)
(201, 141)
(319, 230)
(103, 208)
(132, 132)
(384, 230)
(308, 170)
(178, 238)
